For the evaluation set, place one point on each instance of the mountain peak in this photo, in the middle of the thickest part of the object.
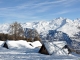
(60, 18)
(62, 24)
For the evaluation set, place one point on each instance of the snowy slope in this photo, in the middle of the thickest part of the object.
(32, 54)
(71, 27)
(4, 28)
(7, 54)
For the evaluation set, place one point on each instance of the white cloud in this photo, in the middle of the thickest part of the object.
(29, 10)
(67, 11)
(40, 6)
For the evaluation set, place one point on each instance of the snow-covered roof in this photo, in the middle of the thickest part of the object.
(36, 44)
(1, 42)
(21, 44)
(18, 44)
(55, 46)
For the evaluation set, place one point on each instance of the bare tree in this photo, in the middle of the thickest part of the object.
(16, 30)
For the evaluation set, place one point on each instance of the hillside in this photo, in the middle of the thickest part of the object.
(70, 27)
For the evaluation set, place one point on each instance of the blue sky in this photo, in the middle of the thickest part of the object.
(37, 10)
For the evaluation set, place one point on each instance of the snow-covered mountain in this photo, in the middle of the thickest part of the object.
(58, 36)
(4, 28)
(70, 27)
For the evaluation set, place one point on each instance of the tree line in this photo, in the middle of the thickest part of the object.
(16, 32)
(4, 37)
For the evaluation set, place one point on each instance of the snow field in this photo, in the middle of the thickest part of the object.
(22, 50)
